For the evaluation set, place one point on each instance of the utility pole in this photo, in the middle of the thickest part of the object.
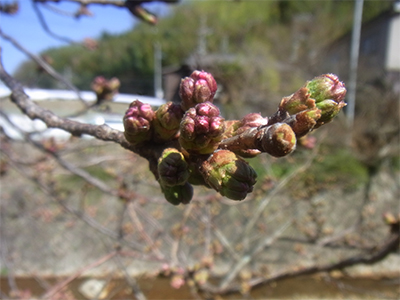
(158, 90)
(354, 53)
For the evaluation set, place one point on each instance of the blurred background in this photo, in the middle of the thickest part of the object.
(66, 231)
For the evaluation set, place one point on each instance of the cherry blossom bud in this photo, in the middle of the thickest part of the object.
(303, 122)
(201, 129)
(105, 89)
(198, 88)
(325, 87)
(228, 174)
(172, 168)
(329, 94)
(278, 140)
(329, 109)
(296, 102)
(178, 194)
(137, 122)
(251, 120)
(315, 93)
(167, 121)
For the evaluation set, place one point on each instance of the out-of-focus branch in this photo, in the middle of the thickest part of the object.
(65, 164)
(41, 62)
(264, 203)
(118, 3)
(63, 284)
(247, 258)
(47, 28)
(134, 6)
(101, 132)
(33, 111)
(52, 194)
(389, 246)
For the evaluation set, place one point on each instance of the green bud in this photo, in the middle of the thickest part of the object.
(297, 102)
(325, 87)
(329, 109)
(303, 122)
(178, 194)
(228, 174)
(167, 121)
(172, 168)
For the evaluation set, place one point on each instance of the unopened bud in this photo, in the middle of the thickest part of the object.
(201, 129)
(167, 121)
(278, 140)
(228, 174)
(329, 109)
(251, 120)
(325, 87)
(178, 194)
(105, 89)
(137, 122)
(303, 122)
(297, 102)
(199, 87)
(172, 168)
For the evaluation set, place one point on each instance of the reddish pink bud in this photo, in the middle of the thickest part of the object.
(105, 89)
(201, 129)
(137, 122)
(198, 88)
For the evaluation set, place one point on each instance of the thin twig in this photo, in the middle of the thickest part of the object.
(49, 69)
(247, 258)
(46, 27)
(64, 283)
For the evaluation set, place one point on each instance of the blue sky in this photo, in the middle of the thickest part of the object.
(25, 27)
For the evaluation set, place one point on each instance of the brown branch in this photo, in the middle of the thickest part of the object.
(103, 132)
(42, 63)
(118, 3)
(47, 28)
(391, 245)
(58, 287)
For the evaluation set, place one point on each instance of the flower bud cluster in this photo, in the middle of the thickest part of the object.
(105, 89)
(201, 129)
(198, 88)
(313, 105)
(196, 145)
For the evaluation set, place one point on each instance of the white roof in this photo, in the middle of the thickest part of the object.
(42, 94)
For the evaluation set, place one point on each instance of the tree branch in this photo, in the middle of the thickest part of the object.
(53, 73)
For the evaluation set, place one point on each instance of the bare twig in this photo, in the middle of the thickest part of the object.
(247, 258)
(118, 3)
(276, 190)
(130, 280)
(64, 283)
(46, 27)
(41, 63)
(139, 226)
(65, 164)
(391, 245)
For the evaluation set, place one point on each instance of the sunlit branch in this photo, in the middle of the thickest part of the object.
(41, 63)
(46, 27)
